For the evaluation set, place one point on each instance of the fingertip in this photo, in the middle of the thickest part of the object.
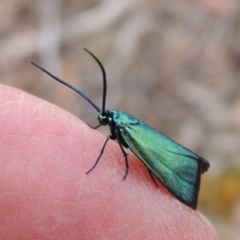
(209, 224)
(54, 150)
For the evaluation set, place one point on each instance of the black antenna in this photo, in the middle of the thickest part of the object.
(104, 79)
(78, 91)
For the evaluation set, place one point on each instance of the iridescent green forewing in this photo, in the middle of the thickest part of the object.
(178, 168)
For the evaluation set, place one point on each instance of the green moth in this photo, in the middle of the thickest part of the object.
(178, 168)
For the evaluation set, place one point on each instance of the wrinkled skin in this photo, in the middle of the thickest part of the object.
(45, 193)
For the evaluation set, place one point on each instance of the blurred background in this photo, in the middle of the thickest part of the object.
(173, 64)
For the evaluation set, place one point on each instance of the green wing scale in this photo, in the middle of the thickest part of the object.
(178, 168)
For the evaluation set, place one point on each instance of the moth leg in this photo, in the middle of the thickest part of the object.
(101, 153)
(125, 155)
(94, 127)
(152, 177)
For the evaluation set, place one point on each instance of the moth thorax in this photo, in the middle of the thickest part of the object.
(103, 118)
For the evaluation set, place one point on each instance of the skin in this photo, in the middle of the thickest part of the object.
(45, 193)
